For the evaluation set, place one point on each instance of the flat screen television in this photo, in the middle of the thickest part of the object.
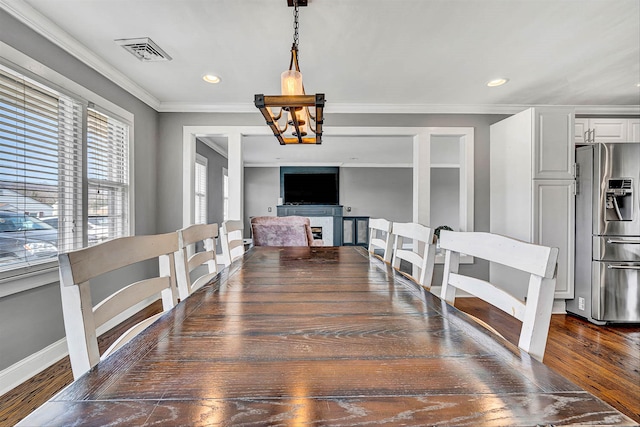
(310, 188)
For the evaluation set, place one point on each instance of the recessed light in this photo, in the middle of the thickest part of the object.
(497, 82)
(210, 78)
(637, 84)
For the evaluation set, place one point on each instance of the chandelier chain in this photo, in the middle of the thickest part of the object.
(296, 25)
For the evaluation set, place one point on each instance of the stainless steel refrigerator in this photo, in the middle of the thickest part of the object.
(607, 261)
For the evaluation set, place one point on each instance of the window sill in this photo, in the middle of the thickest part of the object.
(13, 282)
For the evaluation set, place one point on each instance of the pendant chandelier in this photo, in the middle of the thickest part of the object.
(301, 113)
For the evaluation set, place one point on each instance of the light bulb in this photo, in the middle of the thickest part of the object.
(291, 82)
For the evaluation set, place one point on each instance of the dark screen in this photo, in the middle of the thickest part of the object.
(311, 188)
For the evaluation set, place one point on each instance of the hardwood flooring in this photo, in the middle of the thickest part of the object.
(603, 360)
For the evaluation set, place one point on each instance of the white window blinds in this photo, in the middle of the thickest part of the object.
(40, 172)
(107, 177)
(51, 144)
(201, 190)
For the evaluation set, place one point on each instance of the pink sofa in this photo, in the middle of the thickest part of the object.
(282, 231)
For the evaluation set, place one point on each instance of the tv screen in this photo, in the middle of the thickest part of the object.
(311, 188)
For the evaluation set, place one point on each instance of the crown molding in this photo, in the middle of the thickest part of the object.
(43, 26)
(186, 107)
(608, 109)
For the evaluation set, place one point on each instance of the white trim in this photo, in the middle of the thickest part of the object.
(190, 133)
(188, 107)
(24, 281)
(35, 363)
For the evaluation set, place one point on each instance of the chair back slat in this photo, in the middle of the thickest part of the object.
(124, 298)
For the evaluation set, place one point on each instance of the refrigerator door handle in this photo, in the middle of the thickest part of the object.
(624, 242)
(623, 267)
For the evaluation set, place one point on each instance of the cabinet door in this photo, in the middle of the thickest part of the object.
(554, 210)
(348, 231)
(609, 130)
(581, 127)
(634, 130)
(554, 154)
(362, 231)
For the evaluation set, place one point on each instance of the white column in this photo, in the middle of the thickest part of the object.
(421, 178)
(236, 176)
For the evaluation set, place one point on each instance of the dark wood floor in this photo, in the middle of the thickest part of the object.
(603, 360)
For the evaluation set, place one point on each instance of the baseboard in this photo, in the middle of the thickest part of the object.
(559, 306)
(35, 363)
(26, 368)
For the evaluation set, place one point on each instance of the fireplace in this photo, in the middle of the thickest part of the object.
(317, 232)
(327, 219)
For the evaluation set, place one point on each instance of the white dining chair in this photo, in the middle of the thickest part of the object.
(189, 258)
(539, 261)
(82, 318)
(413, 243)
(232, 241)
(380, 238)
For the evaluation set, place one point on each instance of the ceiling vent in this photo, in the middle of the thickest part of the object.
(144, 49)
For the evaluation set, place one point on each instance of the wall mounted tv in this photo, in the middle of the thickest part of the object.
(310, 186)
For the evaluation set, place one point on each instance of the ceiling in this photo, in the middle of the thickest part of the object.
(367, 56)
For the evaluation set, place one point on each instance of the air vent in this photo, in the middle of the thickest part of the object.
(144, 49)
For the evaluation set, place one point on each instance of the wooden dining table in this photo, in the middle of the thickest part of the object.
(325, 336)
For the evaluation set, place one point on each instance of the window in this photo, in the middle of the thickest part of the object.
(225, 193)
(107, 177)
(201, 190)
(42, 163)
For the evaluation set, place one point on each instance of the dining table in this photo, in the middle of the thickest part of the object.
(322, 336)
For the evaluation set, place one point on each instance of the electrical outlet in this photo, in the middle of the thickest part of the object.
(580, 303)
(269, 209)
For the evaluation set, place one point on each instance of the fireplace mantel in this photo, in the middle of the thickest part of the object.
(334, 211)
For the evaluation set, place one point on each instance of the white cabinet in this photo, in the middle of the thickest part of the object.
(554, 204)
(553, 152)
(634, 130)
(532, 189)
(607, 130)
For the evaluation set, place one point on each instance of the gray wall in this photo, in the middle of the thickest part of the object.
(377, 192)
(261, 192)
(32, 320)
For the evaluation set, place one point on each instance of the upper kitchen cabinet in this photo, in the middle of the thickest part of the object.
(552, 135)
(593, 130)
(546, 148)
